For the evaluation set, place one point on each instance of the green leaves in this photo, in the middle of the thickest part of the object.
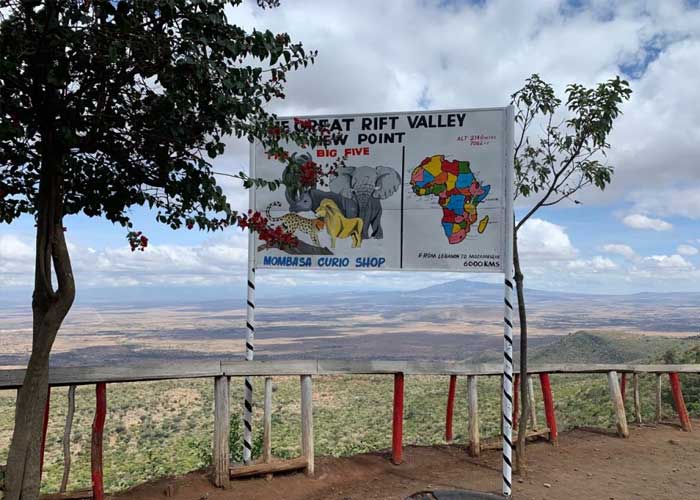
(143, 95)
(570, 152)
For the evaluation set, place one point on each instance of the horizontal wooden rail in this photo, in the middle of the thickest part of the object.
(85, 375)
(64, 376)
(259, 469)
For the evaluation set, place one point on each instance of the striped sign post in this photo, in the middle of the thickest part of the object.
(249, 337)
(249, 354)
(507, 386)
(507, 396)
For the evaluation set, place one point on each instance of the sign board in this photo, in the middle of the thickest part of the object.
(417, 191)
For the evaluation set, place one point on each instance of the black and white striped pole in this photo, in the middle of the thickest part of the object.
(508, 385)
(249, 353)
(507, 396)
(249, 332)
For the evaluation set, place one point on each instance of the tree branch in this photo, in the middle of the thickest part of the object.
(549, 192)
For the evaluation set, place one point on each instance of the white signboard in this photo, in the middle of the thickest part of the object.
(417, 191)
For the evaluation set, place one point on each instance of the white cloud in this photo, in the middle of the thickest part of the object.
(687, 250)
(218, 260)
(490, 49)
(12, 248)
(360, 68)
(16, 260)
(641, 221)
(597, 263)
(669, 201)
(674, 261)
(541, 240)
(624, 250)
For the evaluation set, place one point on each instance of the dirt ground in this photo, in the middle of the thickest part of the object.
(656, 462)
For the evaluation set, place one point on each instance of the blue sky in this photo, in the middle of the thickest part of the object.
(641, 234)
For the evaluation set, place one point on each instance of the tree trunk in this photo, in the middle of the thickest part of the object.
(49, 309)
(524, 400)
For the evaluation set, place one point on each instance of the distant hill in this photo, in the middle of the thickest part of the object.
(477, 292)
(218, 297)
(611, 347)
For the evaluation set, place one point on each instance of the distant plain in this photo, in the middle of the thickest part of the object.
(455, 320)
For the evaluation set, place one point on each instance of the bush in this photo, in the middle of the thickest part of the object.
(235, 440)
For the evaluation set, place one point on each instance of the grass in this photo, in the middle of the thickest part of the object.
(611, 347)
(155, 429)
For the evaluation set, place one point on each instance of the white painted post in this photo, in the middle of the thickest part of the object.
(657, 416)
(507, 396)
(531, 399)
(637, 400)
(307, 424)
(473, 425)
(267, 422)
(618, 405)
(250, 329)
(66, 439)
(222, 419)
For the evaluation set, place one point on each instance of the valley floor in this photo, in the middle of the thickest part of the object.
(656, 462)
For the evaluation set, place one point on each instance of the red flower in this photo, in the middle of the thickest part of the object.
(308, 174)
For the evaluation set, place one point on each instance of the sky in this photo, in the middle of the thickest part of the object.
(640, 234)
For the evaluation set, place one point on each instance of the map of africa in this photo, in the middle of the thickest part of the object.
(458, 191)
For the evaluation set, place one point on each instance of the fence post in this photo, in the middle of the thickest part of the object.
(397, 427)
(474, 440)
(44, 428)
(222, 424)
(450, 408)
(679, 402)
(637, 400)
(618, 404)
(549, 414)
(66, 439)
(307, 423)
(267, 421)
(531, 399)
(623, 386)
(657, 417)
(98, 426)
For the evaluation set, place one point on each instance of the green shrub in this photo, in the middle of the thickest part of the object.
(235, 440)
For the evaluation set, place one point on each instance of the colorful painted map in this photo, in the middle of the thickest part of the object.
(458, 192)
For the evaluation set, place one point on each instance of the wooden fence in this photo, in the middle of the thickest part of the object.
(222, 371)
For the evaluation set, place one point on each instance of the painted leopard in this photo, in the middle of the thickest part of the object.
(294, 222)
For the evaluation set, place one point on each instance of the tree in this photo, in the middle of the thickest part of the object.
(568, 156)
(106, 105)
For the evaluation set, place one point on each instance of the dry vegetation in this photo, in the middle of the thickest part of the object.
(156, 429)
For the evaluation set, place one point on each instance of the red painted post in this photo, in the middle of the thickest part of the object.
(397, 428)
(98, 426)
(549, 407)
(516, 386)
(44, 429)
(679, 402)
(623, 385)
(450, 408)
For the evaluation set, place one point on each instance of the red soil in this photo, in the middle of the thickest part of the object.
(659, 462)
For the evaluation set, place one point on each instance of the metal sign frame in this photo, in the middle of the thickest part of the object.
(507, 259)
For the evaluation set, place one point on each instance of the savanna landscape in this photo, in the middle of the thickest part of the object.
(158, 158)
(157, 429)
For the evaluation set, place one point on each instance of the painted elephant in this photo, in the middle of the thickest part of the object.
(368, 186)
(310, 199)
